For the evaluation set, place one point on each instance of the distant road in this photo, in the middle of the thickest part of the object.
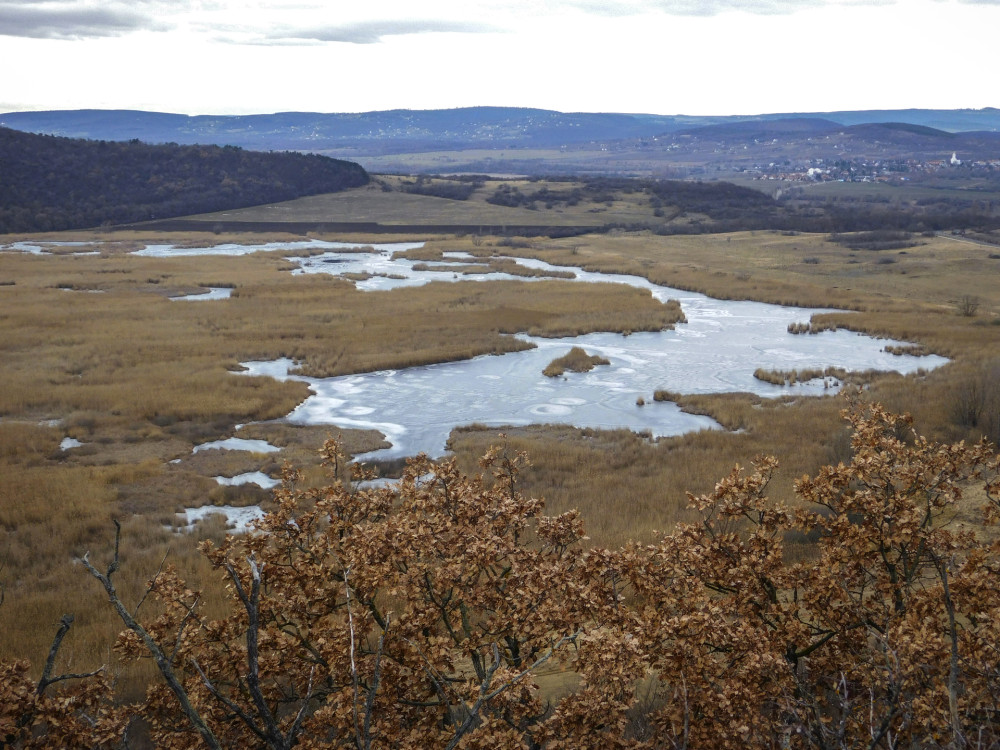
(966, 239)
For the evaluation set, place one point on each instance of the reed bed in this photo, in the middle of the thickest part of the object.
(631, 488)
(140, 380)
(811, 327)
(493, 265)
(575, 360)
(915, 350)
(837, 375)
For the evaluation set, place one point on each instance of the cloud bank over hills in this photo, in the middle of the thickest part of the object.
(692, 56)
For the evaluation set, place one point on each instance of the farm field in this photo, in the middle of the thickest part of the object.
(95, 351)
(624, 159)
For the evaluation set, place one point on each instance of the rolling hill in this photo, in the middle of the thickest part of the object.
(511, 140)
(52, 183)
(444, 129)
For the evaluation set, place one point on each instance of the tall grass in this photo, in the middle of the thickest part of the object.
(575, 360)
(141, 380)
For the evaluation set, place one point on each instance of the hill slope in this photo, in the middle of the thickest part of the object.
(52, 183)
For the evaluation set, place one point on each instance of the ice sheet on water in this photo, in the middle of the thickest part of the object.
(42, 247)
(716, 351)
(251, 477)
(169, 251)
(237, 519)
(214, 292)
(238, 444)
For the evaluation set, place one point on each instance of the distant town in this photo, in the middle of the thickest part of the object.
(890, 171)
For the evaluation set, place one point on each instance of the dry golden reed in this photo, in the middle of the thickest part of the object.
(575, 360)
(94, 343)
(94, 349)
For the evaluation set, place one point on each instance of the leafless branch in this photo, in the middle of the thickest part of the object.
(301, 714)
(486, 695)
(181, 628)
(354, 666)
(47, 679)
(173, 682)
(958, 738)
(472, 714)
(149, 588)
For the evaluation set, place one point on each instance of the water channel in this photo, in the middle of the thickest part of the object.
(717, 350)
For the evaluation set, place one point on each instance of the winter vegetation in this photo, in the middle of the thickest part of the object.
(425, 613)
(575, 360)
(840, 593)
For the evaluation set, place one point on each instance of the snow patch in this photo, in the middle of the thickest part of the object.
(238, 444)
(251, 477)
(237, 519)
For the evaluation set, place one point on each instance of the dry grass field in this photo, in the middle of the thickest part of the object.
(634, 159)
(385, 201)
(93, 349)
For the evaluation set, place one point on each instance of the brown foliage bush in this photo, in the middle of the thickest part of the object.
(418, 616)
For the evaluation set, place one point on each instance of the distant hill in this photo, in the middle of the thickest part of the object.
(807, 142)
(951, 120)
(748, 129)
(52, 183)
(397, 131)
(895, 129)
(390, 130)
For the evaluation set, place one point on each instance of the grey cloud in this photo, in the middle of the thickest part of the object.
(46, 21)
(711, 7)
(371, 32)
(757, 7)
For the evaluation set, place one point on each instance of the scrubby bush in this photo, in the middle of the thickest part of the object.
(420, 616)
(975, 399)
(879, 239)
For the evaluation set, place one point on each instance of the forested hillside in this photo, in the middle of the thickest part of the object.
(51, 183)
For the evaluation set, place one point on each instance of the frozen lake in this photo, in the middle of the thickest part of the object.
(214, 292)
(716, 351)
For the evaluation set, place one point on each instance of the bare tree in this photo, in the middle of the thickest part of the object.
(968, 306)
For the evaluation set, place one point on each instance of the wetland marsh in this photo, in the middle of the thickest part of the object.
(140, 378)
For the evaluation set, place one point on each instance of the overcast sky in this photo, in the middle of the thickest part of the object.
(657, 56)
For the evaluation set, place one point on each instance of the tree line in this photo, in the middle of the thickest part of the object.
(51, 183)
